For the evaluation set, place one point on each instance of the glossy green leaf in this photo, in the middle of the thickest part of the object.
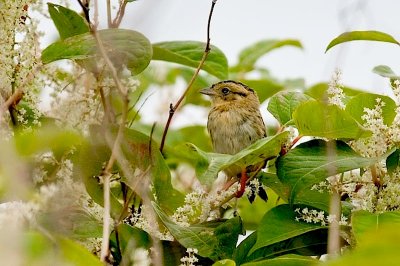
(215, 240)
(209, 164)
(312, 162)
(272, 181)
(265, 88)
(286, 260)
(279, 224)
(317, 119)
(356, 106)
(361, 36)
(190, 53)
(124, 47)
(312, 243)
(393, 161)
(385, 71)
(283, 104)
(244, 247)
(319, 91)
(249, 56)
(68, 22)
(364, 222)
(76, 254)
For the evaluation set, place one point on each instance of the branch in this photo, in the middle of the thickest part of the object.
(120, 14)
(13, 100)
(173, 108)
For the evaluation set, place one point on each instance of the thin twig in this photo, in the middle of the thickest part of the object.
(173, 108)
(120, 14)
(106, 217)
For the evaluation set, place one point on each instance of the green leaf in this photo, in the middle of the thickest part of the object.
(317, 119)
(286, 260)
(393, 161)
(190, 53)
(216, 241)
(364, 222)
(272, 181)
(361, 36)
(68, 22)
(356, 106)
(279, 224)
(385, 71)
(265, 88)
(319, 91)
(209, 164)
(124, 47)
(312, 162)
(128, 238)
(77, 254)
(283, 104)
(249, 56)
(244, 247)
(313, 243)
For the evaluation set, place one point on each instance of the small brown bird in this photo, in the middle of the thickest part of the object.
(234, 122)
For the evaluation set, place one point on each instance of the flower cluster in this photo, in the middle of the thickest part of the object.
(335, 90)
(318, 217)
(191, 258)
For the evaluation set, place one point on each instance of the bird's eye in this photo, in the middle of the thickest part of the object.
(225, 91)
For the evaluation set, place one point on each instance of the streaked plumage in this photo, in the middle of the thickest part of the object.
(234, 121)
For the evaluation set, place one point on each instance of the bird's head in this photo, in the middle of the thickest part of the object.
(231, 92)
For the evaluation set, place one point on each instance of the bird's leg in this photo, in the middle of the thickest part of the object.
(243, 180)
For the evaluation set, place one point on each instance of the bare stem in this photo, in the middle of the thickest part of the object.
(106, 217)
(120, 14)
(109, 22)
(334, 228)
(173, 108)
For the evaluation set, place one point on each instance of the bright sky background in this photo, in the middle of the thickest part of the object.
(315, 23)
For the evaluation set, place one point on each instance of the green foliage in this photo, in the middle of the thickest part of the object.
(357, 104)
(279, 234)
(249, 56)
(385, 71)
(215, 240)
(283, 104)
(318, 119)
(190, 53)
(68, 22)
(361, 36)
(124, 47)
(312, 162)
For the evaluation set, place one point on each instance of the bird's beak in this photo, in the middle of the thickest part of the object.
(208, 91)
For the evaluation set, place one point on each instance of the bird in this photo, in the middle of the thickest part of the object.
(234, 122)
